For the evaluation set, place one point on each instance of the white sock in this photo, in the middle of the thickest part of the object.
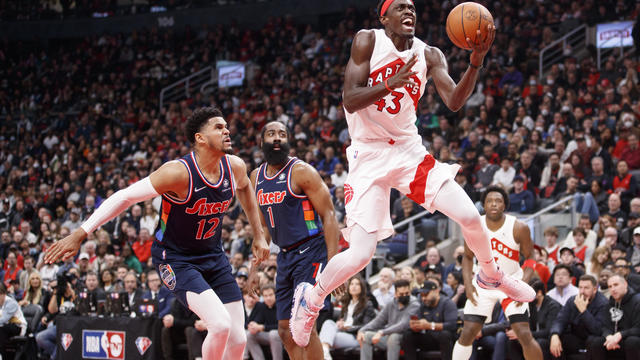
(362, 246)
(461, 352)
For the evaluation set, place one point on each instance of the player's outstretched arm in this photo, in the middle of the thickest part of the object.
(310, 182)
(249, 204)
(172, 178)
(455, 95)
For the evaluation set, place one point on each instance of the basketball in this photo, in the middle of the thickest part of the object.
(463, 22)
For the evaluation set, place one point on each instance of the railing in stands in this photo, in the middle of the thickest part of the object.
(186, 87)
(606, 52)
(554, 53)
(533, 219)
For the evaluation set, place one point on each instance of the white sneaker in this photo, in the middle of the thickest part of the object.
(515, 289)
(303, 315)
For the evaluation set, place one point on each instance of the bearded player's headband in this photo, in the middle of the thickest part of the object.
(385, 6)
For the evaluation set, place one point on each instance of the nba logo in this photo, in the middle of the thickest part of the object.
(66, 339)
(103, 344)
(355, 154)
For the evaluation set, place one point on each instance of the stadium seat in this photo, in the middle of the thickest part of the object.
(24, 346)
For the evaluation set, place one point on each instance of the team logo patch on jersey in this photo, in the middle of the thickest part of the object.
(225, 183)
(103, 344)
(66, 339)
(168, 276)
(143, 343)
(348, 193)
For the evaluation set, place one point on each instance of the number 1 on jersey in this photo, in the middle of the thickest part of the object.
(271, 217)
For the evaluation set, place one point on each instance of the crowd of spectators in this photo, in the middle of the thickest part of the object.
(72, 9)
(80, 119)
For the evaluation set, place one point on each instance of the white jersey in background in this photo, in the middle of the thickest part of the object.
(506, 252)
(393, 116)
(505, 249)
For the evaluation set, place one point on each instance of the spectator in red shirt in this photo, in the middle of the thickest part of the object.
(541, 268)
(13, 270)
(142, 246)
(624, 183)
(631, 153)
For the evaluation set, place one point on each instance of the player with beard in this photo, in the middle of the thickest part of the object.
(298, 216)
(187, 252)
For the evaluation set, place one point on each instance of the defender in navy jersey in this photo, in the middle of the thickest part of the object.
(298, 216)
(196, 192)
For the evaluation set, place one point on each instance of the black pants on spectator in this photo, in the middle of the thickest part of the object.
(629, 348)
(6, 332)
(195, 339)
(571, 344)
(425, 341)
(171, 338)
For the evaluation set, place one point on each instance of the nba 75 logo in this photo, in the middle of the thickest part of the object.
(143, 343)
(66, 339)
(103, 344)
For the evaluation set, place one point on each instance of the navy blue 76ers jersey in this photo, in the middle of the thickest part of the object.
(192, 227)
(290, 217)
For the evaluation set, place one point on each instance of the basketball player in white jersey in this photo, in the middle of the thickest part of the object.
(384, 80)
(510, 238)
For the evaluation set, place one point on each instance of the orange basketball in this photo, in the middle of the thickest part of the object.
(464, 21)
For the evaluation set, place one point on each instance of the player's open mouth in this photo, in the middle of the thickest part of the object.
(227, 141)
(276, 146)
(408, 23)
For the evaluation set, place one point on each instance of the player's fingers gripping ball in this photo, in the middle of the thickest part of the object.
(464, 21)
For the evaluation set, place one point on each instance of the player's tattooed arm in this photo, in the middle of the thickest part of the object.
(307, 180)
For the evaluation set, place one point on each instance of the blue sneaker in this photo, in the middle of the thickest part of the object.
(303, 315)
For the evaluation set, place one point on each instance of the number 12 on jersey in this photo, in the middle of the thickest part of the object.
(210, 232)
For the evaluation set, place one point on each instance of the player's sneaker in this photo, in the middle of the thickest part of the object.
(515, 289)
(303, 315)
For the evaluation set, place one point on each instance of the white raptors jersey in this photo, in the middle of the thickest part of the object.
(393, 116)
(505, 250)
